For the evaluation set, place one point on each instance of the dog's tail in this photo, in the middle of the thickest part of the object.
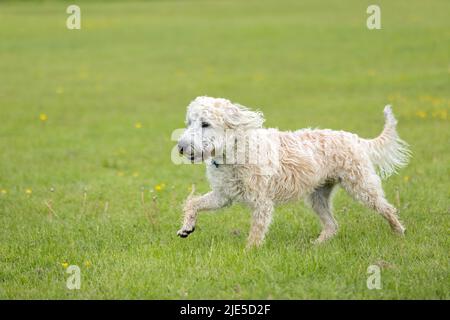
(387, 151)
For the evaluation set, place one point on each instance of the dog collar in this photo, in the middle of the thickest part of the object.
(215, 163)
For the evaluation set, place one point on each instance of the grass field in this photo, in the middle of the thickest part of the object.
(86, 176)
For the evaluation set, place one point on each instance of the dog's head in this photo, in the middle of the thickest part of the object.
(209, 121)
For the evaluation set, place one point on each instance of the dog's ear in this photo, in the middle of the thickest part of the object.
(237, 116)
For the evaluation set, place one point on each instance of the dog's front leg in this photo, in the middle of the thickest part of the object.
(261, 219)
(194, 204)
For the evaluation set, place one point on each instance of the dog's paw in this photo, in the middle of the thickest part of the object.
(324, 237)
(184, 232)
(400, 230)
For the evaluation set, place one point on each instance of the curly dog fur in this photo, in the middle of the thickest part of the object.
(306, 164)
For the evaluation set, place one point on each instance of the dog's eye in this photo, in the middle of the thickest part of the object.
(205, 124)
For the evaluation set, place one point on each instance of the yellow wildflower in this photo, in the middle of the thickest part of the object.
(43, 117)
(442, 114)
(437, 101)
(3, 191)
(135, 174)
(65, 265)
(87, 263)
(421, 114)
(138, 125)
(406, 178)
(28, 191)
(160, 187)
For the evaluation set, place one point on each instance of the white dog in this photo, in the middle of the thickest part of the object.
(289, 166)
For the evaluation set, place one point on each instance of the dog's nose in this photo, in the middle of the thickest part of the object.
(180, 148)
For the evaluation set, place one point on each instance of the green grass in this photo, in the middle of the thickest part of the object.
(304, 63)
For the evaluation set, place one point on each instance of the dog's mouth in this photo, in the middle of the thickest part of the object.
(200, 157)
(193, 158)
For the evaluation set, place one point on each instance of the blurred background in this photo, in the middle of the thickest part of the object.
(87, 116)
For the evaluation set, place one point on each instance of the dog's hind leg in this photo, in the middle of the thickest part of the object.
(320, 201)
(367, 188)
